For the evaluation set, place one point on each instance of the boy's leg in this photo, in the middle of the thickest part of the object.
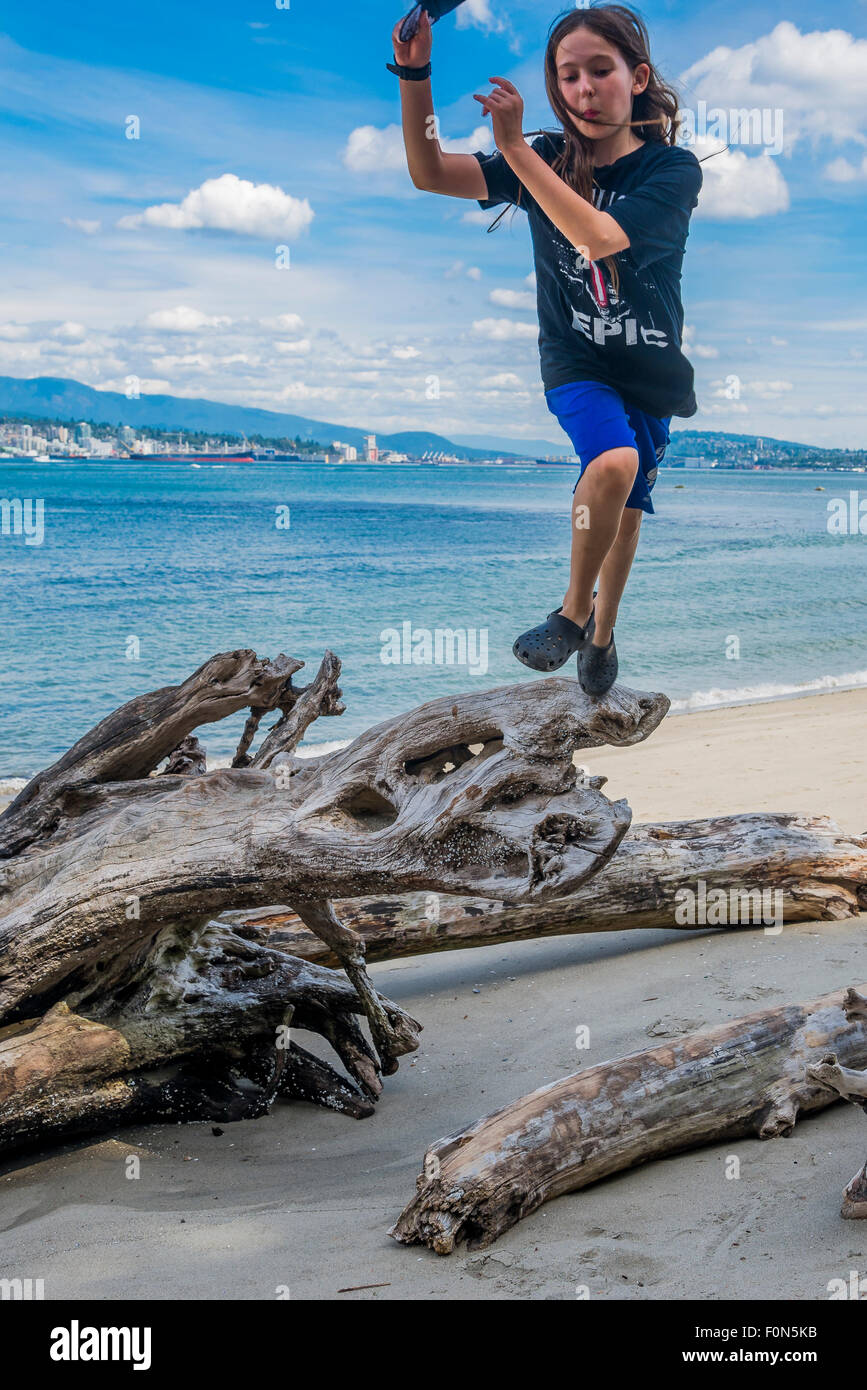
(602, 489)
(614, 574)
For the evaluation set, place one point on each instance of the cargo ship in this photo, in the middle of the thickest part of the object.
(244, 456)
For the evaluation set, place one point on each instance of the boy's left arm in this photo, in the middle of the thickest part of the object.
(592, 232)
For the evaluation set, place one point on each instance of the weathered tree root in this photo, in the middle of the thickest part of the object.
(202, 1034)
(751, 1076)
(115, 988)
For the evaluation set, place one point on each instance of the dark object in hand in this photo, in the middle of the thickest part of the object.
(435, 8)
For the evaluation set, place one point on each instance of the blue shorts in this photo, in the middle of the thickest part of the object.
(596, 418)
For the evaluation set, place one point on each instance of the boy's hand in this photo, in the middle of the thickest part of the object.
(417, 52)
(506, 109)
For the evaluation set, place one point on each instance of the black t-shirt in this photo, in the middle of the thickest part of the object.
(633, 342)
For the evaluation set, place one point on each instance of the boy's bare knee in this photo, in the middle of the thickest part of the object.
(622, 462)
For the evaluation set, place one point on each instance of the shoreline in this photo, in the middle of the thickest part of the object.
(802, 756)
(508, 460)
(798, 694)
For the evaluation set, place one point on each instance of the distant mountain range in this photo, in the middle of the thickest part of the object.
(500, 444)
(43, 397)
(59, 398)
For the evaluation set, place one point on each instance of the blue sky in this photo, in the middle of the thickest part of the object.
(263, 126)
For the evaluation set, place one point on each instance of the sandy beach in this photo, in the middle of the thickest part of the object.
(303, 1198)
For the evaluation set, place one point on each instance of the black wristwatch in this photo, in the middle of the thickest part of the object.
(409, 74)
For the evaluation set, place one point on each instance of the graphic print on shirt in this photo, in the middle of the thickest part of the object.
(585, 334)
(601, 315)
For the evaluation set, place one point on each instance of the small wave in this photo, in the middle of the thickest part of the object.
(757, 694)
(306, 750)
(11, 786)
(318, 750)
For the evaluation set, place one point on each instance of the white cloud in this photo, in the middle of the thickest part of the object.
(502, 330)
(502, 381)
(20, 353)
(693, 349)
(69, 330)
(12, 332)
(285, 323)
(768, 390)
(477, 14)
(459, 268)
(737, 188)
(818, 81)
(764, 390)
(81, 224)
(370, 149)
(148, 386)
(513, 299)
(184, 320)
(841, 171)
(728, 408)
(170, 362)
(405, 353)
(298, 346)
(230, 204)
(89, 347)
(479, 139)
(300, 391)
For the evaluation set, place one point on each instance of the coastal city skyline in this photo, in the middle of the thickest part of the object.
(42, 439)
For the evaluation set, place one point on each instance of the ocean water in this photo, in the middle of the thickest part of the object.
(738, 592)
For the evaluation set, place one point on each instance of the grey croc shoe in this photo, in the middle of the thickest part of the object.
(548, 646)
(597, 666)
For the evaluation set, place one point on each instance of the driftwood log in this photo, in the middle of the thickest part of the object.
(122, 999)
(753, 1076)
(851, 1084)
(818, 871)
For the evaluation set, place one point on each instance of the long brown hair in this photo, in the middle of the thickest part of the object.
(654, 111)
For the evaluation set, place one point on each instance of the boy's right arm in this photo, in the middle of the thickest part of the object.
(430, 168)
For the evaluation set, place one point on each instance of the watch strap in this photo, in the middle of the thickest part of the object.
(409, 74)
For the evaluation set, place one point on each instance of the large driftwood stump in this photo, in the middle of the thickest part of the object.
(753, 1076)
(121, 998)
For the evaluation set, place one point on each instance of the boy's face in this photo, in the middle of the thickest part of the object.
(595, 82)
